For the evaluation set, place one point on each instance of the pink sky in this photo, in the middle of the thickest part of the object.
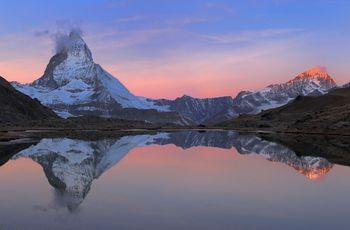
(198, 48)
(186, 69)
(205, 82)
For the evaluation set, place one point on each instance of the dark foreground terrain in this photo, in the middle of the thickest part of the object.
(16, 106)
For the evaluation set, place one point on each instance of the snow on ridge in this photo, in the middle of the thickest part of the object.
(72, 78)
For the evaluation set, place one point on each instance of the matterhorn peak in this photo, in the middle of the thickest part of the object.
(73, 84)
(71, 43)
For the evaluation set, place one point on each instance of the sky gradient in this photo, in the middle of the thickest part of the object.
(202, 48)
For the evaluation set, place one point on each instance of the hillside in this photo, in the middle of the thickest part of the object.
(329, 113)
(16, 106)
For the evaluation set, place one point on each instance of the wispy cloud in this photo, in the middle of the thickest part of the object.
(116, 4)
(251, 35)
(220, 6)
(186, 20)
(134, 18)
(136, 37)
(41, 33)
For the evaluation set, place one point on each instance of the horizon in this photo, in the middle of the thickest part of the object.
(199, 49)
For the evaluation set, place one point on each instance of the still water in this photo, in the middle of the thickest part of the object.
(182, 180)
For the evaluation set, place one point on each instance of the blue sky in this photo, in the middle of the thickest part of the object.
(169, 48)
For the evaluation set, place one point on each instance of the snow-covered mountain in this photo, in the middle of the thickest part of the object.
(74, 85)
(313, 82)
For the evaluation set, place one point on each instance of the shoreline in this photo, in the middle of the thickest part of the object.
(30, 134)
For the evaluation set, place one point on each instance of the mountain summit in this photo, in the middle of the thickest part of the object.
(73, 84)
(73, 62)
(317, 77)
(318, 72)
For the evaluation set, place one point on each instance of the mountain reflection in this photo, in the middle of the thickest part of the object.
(312, 167)
(71, 165)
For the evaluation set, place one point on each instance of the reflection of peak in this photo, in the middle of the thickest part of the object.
(188, 139)
(308, 166)
(72, 165)
(312, 167)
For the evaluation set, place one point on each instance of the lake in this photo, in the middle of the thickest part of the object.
(178, 180)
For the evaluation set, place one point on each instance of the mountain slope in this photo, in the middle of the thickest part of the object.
(329, 113)
(73, 85)
(16, 106)
(315, 81)
(198, 110)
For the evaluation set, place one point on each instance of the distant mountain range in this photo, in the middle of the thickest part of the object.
(212, 110)
(73, 85)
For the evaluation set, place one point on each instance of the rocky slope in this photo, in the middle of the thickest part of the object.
(16, 106)
(329, 113)
(315, 81)
(198, 110)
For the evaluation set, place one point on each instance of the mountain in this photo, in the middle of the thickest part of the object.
(16, 106)
(315, 81)
(329, 113)
(73, 85)
(198, 110)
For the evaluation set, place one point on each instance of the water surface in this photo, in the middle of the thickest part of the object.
(182, 180)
